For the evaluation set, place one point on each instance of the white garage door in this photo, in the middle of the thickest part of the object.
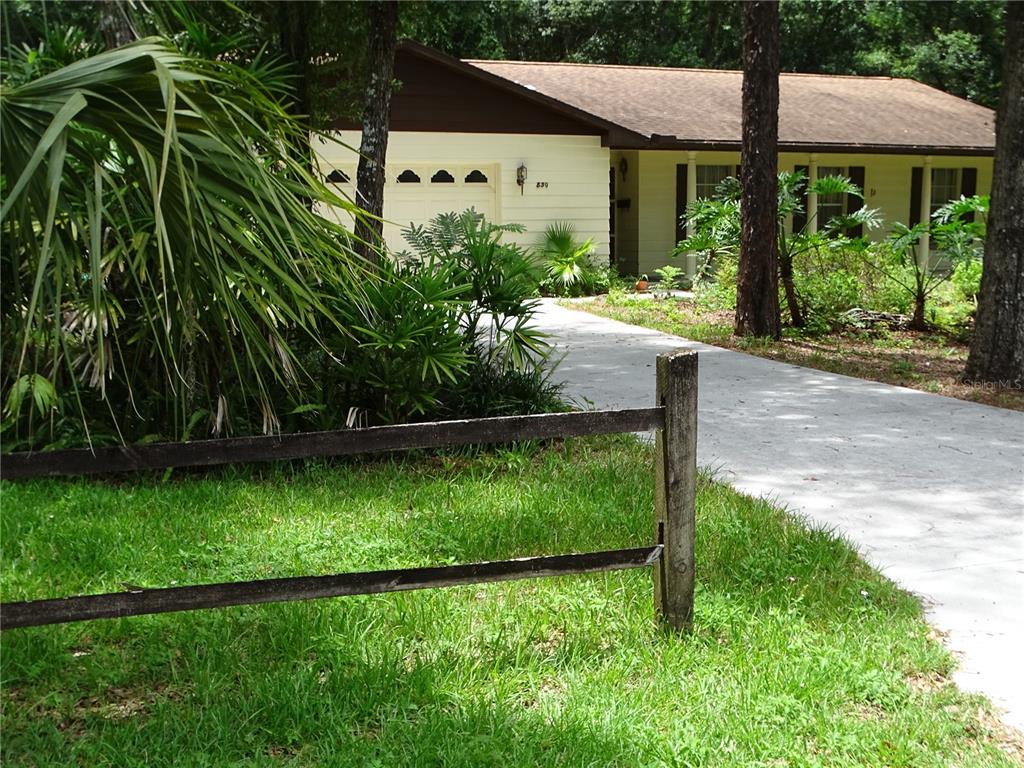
(414, 194)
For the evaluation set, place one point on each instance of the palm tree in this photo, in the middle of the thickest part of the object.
(159, 259)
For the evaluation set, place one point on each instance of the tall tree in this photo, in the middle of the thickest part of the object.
(373, 147)
(997, 350)
(295, 22)
(114, 24)
(757, 289)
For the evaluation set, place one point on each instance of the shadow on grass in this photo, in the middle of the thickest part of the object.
(290, 682)
(425, 679)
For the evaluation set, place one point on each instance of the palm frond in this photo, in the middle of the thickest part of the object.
(160, 184)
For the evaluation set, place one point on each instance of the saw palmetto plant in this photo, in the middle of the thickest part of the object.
(162, 259)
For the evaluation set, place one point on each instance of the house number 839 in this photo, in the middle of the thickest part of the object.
(542, 185)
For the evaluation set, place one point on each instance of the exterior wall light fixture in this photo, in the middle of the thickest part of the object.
(521, 177)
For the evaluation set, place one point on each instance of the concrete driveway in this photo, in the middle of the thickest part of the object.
(930, 488)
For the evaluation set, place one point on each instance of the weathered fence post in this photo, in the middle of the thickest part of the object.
(676, 489)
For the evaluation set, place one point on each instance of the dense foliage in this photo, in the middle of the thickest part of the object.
(955, 46)
(167, 274)
(161, 264)
(831, 268)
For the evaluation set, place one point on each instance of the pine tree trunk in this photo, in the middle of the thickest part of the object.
(294, 20)
(383, 16)
(997, 349)
(757, 290)
(114, 24)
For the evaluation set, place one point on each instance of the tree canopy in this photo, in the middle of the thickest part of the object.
(955, 45)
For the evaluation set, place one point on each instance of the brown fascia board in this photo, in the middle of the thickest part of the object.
(610, 132)
(661, 142)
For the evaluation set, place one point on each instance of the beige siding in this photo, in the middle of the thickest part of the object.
(886, 181)
(573, 168)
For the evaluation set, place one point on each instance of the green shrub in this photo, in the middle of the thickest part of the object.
(718, 291)
(408, 347)
(567, 263)
(827, 295)
(492, 391)
(673, 278)
(184, 281)
(828, 281)
(490, 290)
(966, 279)
(885, 277)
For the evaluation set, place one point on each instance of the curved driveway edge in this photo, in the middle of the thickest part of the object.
(931, 489)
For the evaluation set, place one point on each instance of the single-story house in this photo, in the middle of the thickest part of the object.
(619, 151)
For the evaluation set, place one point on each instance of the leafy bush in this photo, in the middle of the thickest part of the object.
(492, 391)
(957, 231)
(714, 225)
(168, 275)
(715, 235)
(828, 281)
(718, 291)
(491, 293)
(569, 270)
(966, 279)
(827, 295)
(407, 345)
(885, 289)
(673, 278)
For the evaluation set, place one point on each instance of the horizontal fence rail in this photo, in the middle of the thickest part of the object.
(436, 434)
(145, 601)
(674, 420)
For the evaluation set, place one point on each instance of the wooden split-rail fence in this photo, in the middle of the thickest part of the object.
(673, 418)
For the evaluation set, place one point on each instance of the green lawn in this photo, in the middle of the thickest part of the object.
(801, 655)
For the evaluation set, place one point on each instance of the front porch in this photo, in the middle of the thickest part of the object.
(651, 189)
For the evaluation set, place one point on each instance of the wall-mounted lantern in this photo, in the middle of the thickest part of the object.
(521, 177)
(623, 168)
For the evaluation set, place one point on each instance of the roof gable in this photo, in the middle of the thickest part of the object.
(441, 93)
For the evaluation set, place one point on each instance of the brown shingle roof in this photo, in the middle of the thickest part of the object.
(701, 107)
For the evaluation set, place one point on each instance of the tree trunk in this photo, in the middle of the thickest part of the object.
(383, 16)
(757, 289)
(293, 26)
(294, 22)
(115, 25)
(917, 322)
(997, 349)
(796, 314)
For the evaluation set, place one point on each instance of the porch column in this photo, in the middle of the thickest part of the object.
(926, 209)
(812, 197)
(691, 196)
